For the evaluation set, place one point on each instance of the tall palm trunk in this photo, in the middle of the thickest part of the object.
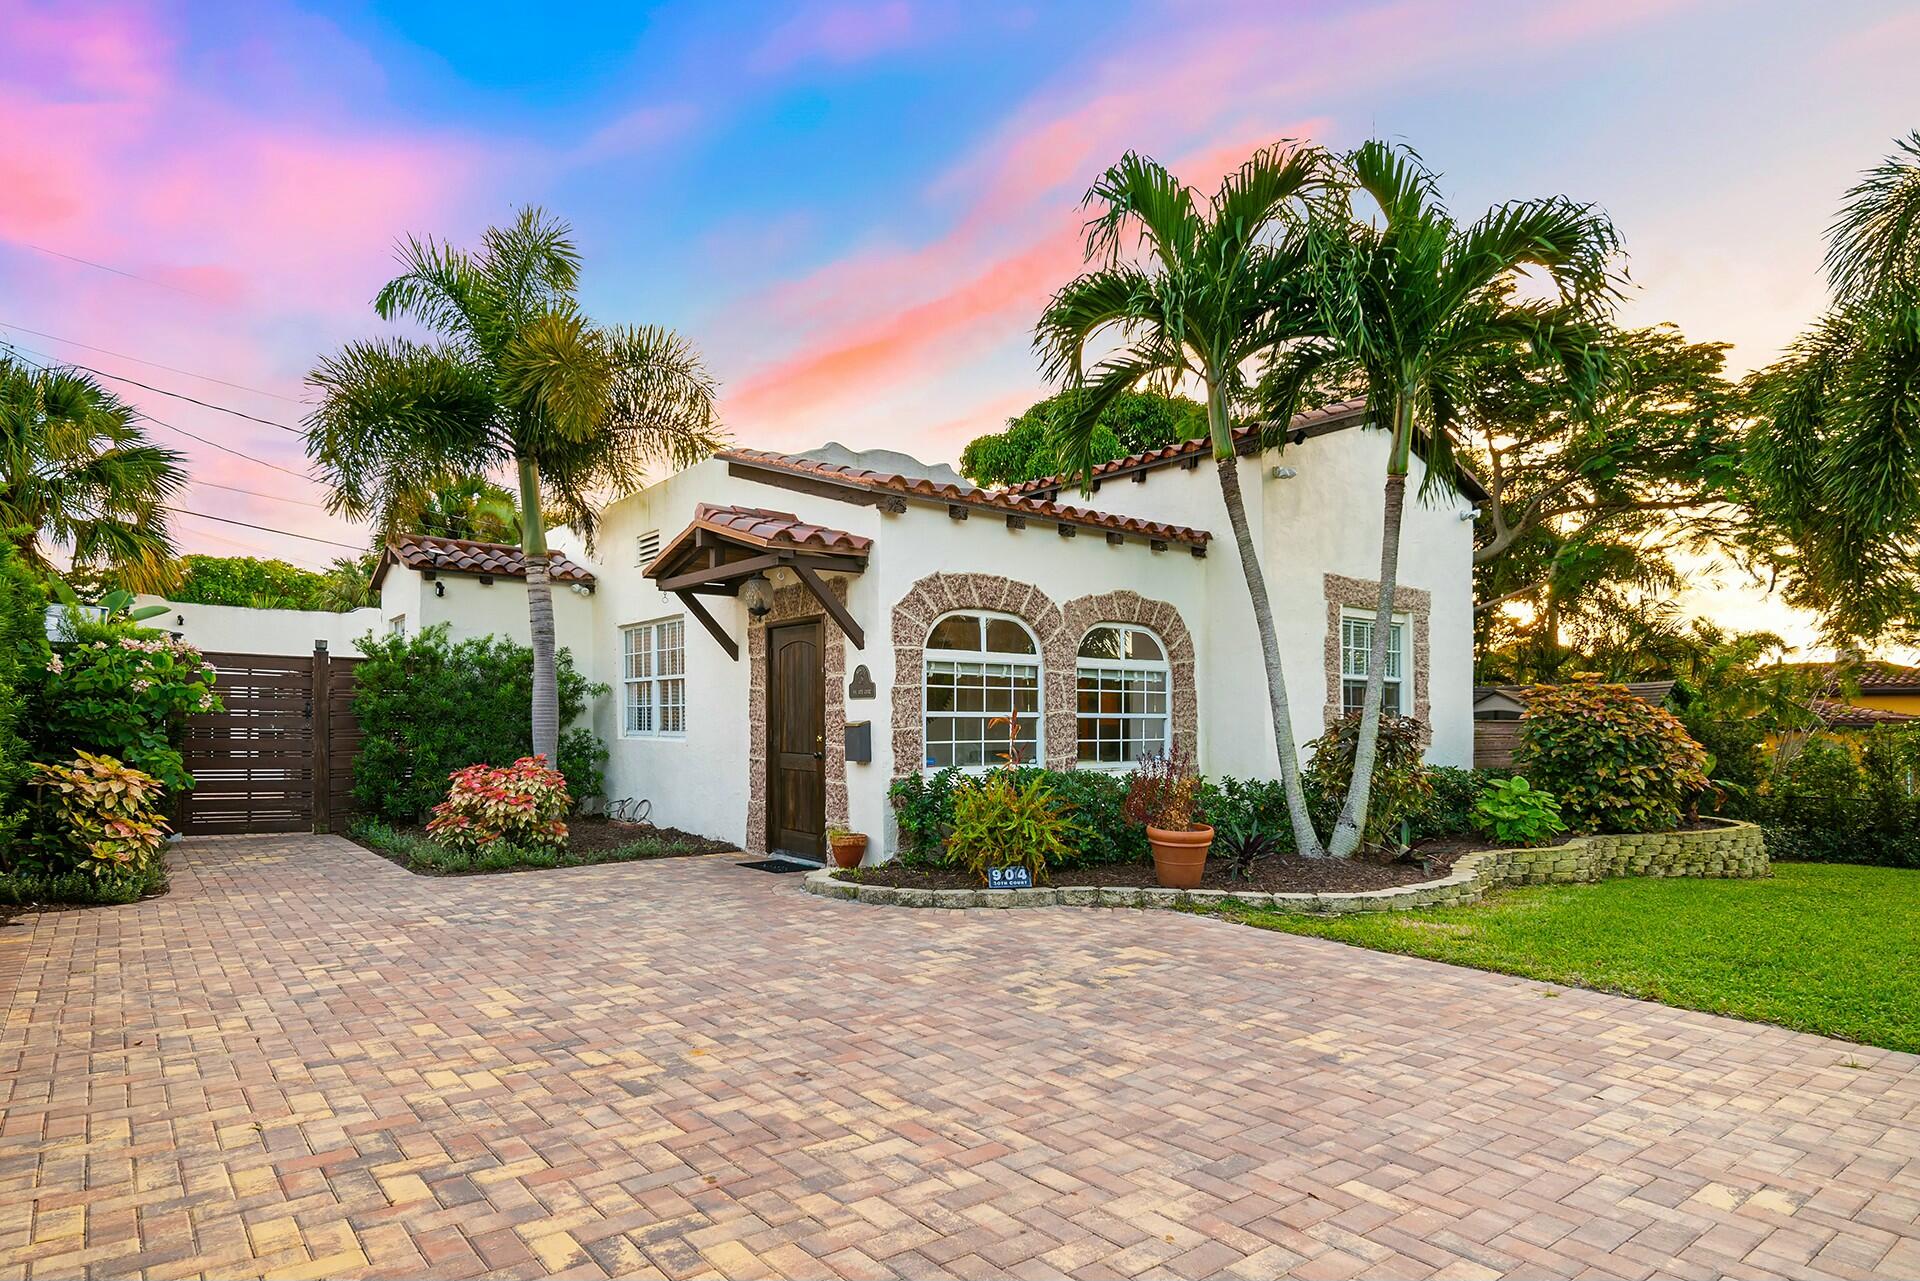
(546, 693)
(1352, 824)
(1305, 839)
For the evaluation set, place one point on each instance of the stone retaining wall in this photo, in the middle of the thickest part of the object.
(1727, 849)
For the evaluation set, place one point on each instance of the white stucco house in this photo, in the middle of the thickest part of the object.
(786, 634)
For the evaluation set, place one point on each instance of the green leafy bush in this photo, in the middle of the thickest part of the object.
(1512, 812)
(1615, 762)
(923, 811)
(1000, 820)
(522, 804)
(1845, 799)
(427, 707)
(99, 818)
(1400, 783)
(118, 689)
(23, 661)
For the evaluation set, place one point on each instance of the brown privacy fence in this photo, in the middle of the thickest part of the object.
(279, 758)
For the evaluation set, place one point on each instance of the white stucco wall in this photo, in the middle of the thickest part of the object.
(1326, 519)
(237, 629)
(470, 608)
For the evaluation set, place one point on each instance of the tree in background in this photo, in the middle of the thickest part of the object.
(23, 658)
(1835, 440)
(470, 507)
(247, 581)
(347, 583)
(1409, 305)
(77, 473)
(1131, 423)
(516, 377)
(1211, 286)
(1587, 500)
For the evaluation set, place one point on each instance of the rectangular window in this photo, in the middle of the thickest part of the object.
(397, 625)
(654, 672)
(980, 714)
(1356, 647)
(1122, 714)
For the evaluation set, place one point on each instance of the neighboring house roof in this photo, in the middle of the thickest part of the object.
(1500, 697)
(1873, 676)
(1838, 715)
(1313, 422)
(428, 553)
(881, 486)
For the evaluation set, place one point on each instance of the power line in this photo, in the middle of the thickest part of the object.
(172, 369)
(177, 395)
(268, 529)
(254, 493)
(130, 275)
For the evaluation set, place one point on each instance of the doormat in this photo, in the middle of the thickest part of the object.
(776, 865)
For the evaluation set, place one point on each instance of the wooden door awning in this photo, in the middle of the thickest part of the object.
(725, 546)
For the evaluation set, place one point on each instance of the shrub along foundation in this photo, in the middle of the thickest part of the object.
(1724, 849)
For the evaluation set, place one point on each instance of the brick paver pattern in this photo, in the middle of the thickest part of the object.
(306, 1061)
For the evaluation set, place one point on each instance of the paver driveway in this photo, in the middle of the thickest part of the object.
(306, 1061)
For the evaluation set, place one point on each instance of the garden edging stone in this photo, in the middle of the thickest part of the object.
(1728, 849)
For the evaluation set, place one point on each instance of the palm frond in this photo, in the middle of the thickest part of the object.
(1119, 295)
(1139, 194)
(555, 373)
(1873, 247)
(1396, 180)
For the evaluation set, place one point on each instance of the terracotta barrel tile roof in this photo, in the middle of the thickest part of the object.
(993, 499)
(1852, 716)
(1871, 676)
(466, 556)
(1198, 445)
(777, 529)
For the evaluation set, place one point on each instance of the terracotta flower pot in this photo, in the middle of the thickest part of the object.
(1180, 858)
(848, 850)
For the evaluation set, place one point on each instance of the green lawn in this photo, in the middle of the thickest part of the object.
(1818, 947)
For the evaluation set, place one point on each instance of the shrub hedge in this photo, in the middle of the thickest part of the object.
(1845, 799)
(427, 707)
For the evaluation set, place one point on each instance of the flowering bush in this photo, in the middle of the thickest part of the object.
(105, 819)
(124, 691)
(522, 804)
(1616, 762)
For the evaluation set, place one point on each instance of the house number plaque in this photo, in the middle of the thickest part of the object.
(861, 686)
(1009, 878)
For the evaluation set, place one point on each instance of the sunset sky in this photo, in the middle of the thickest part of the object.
(854, 210)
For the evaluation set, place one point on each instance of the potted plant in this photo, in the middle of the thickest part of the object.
(1162, 796)
(848, 847)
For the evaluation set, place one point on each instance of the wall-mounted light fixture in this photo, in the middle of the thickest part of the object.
(1284, 473)
(439, 589)
(1471, 513)
(757, 595)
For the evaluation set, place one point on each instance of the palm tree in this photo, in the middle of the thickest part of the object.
(1835, 444)
(467, 507)
(517, 378)
(1409, 304)
(76, 472)
(1215, 287)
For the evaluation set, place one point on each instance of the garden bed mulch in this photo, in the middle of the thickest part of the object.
(1283, 874)
(590, 841)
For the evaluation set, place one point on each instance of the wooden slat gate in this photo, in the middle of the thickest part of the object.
(279, 758)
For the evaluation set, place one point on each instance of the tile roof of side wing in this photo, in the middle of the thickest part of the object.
(837, 474)
(774, 528)
(468, 556)
(1312, 422)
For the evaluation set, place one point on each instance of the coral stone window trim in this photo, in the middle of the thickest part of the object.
(981, 669)
(653, 674)
(1356, 644)
(1123, 697)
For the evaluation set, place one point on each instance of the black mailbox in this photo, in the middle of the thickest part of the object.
(860, 741)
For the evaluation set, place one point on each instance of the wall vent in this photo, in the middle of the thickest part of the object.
(645, 548)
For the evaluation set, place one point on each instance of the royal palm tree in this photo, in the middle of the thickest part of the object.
(1409, 305)
(76, 472)
(1835, 445)
(1215, 285)
(517, 379)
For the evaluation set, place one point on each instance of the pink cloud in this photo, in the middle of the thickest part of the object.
(888, 312)
(837, 33)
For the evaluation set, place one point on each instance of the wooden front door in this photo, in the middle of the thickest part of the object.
(796, 740)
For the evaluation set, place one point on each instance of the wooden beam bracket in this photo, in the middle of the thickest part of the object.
(709, 622)
(831, 603)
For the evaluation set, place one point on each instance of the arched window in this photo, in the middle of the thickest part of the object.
(1123, 682)
(982, 692)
